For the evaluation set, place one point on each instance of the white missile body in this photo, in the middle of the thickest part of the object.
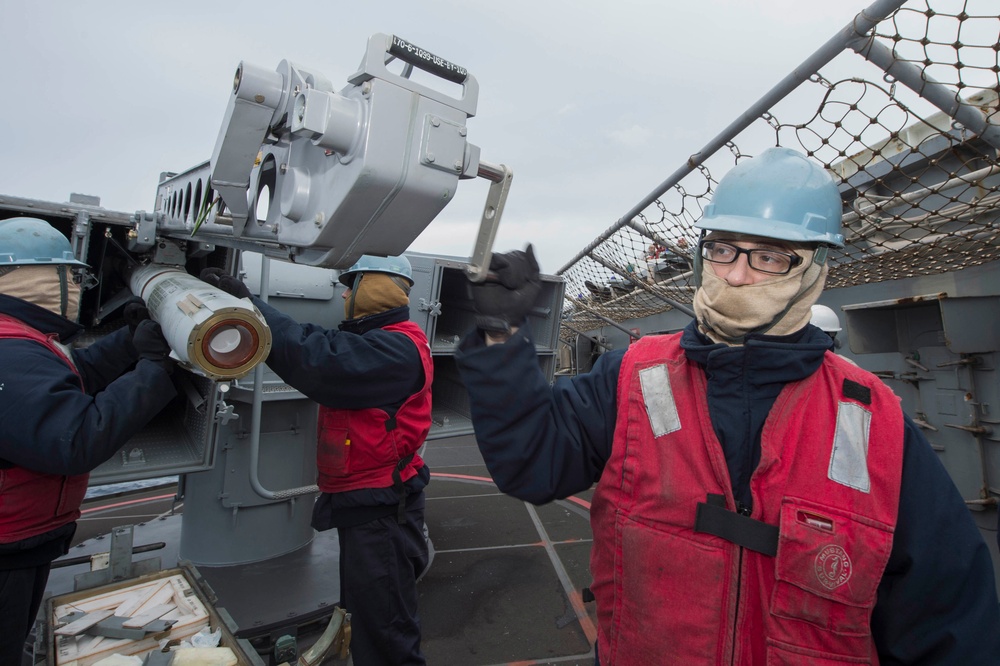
(210, 331)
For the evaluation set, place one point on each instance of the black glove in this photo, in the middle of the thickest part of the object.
(135, 311)
(150, 344)
(509, 291)
(224, 281)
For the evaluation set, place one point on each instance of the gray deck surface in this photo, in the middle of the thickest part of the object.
(504, 586)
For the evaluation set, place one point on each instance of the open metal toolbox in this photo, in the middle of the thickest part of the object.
(182, 587)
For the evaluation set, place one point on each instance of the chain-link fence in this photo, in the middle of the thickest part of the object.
(901, 106)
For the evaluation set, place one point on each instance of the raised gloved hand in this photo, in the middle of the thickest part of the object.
(150, 344)
(135, 311)
(509, 291)
(224, 281)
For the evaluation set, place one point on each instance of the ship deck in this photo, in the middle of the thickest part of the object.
(504, 586)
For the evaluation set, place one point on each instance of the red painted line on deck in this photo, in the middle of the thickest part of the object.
(586, 622)
(465, 477)
(128, 503)
(462, 477)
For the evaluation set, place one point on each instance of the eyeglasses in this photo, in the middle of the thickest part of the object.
(765, 261)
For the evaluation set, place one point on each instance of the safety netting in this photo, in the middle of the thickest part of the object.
(905, 117)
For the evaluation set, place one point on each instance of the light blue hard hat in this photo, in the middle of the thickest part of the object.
(26, 241)
(779, 194)
(371, 264)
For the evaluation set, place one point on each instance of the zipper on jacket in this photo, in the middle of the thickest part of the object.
(739, 593)
(743, 510)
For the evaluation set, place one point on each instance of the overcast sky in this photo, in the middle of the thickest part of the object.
(591, 103)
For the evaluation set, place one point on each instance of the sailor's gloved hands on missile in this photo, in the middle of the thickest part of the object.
(150, 344)
(508, 293)
(135, 311)
(224, 281)
(147, 336)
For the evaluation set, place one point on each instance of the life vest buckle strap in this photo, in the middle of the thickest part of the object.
(397, 484)
(758, 536)
(390, 423)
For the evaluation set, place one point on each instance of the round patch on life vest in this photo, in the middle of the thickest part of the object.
(833, 566)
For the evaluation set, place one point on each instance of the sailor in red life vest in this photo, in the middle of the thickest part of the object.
(372, 379)
(759, 499)
(63, 411)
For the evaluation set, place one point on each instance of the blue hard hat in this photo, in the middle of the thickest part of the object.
(26, 241)
(779, 194)
(372, 264)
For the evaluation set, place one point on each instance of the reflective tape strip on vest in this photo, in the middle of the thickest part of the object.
(356, 448)
(828, 479)
(32, 503)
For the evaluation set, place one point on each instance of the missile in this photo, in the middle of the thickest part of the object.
(211, 332)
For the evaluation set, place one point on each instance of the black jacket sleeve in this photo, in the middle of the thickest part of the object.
(341, 369)
(937, 601)
(539, 442)
(49, 425)
(105, 360)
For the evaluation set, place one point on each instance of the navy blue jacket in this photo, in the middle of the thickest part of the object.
(48, 425)
(937, 601)
(358, 366)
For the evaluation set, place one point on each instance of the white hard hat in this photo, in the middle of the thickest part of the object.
(825, 319)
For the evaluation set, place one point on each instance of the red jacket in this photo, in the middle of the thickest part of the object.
(828, 479)
(33, 503)
(365, 448)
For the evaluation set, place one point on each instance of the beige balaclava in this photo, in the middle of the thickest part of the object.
(49, 286)
(778, 305)
(374, 293)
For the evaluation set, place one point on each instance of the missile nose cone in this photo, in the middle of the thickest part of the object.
(212, 332)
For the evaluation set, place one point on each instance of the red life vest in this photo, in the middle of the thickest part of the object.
(828, 479)
(365, 448)
(33, 503)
